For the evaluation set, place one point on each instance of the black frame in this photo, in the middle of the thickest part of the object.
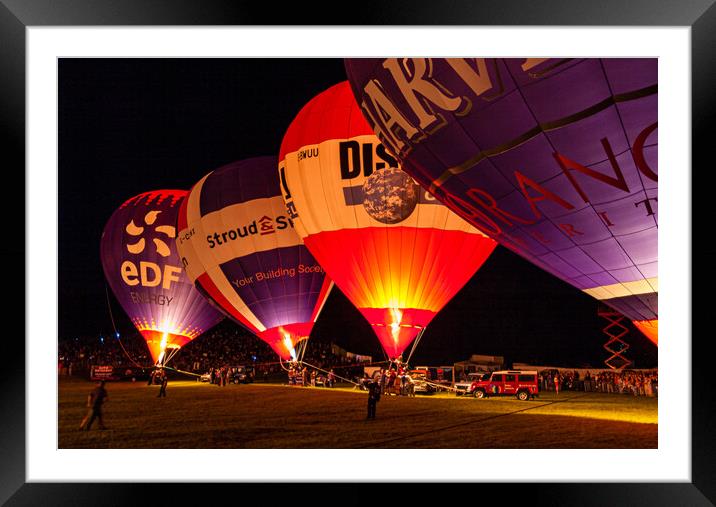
(16, 15)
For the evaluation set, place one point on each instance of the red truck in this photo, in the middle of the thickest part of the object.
(522, 384)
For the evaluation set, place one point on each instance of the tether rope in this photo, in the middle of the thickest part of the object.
(327, 372)
(116, 334)
(415, 344)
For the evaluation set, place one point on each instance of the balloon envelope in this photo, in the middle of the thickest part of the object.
(554, 158)
(142, 267)
(392, 249)
(650, 328)
(239, 246)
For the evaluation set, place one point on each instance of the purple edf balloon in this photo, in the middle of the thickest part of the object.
(142, 266)
(554, 158)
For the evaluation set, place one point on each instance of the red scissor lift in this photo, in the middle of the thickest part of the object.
(615, 330)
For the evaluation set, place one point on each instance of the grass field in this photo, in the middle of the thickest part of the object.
(195, 415)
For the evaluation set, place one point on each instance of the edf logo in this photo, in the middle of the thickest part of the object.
(149, 274)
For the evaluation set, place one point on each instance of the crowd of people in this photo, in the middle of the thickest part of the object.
(637, 383)
(79, 354)
(221, 348)
(227, 346)
(394, 380)
(302, 375)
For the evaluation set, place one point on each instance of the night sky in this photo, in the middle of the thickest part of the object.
(127, 126)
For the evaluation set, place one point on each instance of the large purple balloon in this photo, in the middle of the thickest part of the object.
(554, 158)
(142, 266)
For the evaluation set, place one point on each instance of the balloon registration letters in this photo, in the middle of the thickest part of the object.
(554, 158)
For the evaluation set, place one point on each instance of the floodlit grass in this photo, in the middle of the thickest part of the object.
(196, 415)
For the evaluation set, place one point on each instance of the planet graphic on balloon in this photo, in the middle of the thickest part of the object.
(390, 195)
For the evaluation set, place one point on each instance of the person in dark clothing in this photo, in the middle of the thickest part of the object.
(403, 383)
(94, 405)
(373, 398)
(164, 381)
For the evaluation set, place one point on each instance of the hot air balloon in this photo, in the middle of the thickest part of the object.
(554, 158)
(240, 248)
(393, 250)
(142, 267)
(650, 328)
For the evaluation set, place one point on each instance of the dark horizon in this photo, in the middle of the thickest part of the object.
(129, 126)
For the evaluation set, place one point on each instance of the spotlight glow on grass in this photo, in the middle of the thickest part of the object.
(201, 415)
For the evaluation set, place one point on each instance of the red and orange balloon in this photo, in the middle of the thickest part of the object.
(393, 250)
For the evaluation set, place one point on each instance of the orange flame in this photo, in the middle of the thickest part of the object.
(289, 345)
(395, 325)
(162, 348)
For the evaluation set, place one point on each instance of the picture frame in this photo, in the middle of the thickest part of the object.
(16, 16)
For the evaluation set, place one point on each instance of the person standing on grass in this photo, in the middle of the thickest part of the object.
(95, 400)
(410, 387)
(403, 383)
(383, 380)
(557, 380)
(391, 381)
(163, 386)
(373, 398)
